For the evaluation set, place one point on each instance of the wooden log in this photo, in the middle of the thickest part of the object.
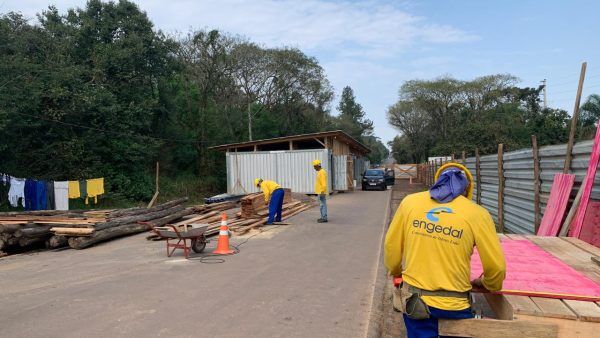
(9, 228)
(139, 211)
(72, 231)
(170, 218)
(139, 218)
(43, 230)
(106, 234)
(56, 241)
(26, 241)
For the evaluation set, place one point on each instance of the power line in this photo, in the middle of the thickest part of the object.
(108, 131)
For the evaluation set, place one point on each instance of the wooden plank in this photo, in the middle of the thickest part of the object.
(586, 311)
(573, 129)
(567, 328)
(585, 246)
(493, 328)
(523, 305)
(571, 255)
(554, 308)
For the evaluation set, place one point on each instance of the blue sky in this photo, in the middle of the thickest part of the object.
(374, 46)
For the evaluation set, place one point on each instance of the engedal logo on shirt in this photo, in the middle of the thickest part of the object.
(433, 216)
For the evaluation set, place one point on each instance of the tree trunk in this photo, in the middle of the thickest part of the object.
(56, 241)
(103, 235)
(138, 218)
(139, 211)
(42, 230)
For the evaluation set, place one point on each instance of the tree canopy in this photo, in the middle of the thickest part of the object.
(446, 115)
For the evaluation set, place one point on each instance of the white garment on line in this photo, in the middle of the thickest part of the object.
(16, 191)
(61, 195)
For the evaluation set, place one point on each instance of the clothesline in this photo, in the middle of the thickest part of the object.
(35, 194)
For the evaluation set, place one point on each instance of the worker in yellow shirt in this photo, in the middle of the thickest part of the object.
(321, 190)
(434, 233)
(273, 197)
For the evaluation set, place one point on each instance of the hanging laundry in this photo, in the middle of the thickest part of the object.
(30, 194)
(40, 194)
(74, 191)
(4, 189)
(83, 190)
(16, 192)
(95, 187)
(61, 195)
(50, 205)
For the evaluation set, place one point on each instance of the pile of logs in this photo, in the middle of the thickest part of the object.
(80, 228)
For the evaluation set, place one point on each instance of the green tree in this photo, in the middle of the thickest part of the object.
(352, 117)
(588, 117)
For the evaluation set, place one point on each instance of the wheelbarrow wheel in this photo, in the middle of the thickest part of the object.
(198, 245)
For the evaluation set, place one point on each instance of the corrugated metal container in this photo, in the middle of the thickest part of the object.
(291, 169)
(339, 170)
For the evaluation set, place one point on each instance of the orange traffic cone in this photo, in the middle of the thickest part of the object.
(223, 243)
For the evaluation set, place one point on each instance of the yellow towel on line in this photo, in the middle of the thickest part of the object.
(74, 191)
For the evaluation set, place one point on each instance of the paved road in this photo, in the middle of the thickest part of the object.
(303, 280)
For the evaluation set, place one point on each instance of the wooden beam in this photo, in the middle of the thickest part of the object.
(501, 187)
(463, 157)
(493, 328)
(156, 191)
(536, 184)
(255, 147)
(320, 142)
(569, 154)
(291, 145)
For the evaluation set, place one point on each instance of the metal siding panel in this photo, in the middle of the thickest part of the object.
(339, 172)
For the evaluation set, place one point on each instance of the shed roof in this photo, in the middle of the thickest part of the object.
(354, 144)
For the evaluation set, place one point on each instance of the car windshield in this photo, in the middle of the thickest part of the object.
(374, 173)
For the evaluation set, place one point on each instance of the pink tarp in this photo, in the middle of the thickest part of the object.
(534, 272)
(557, 204)
(590, 230)
(588, 183)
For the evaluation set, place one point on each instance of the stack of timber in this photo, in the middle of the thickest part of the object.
(254, 203)
(23, 230)
(121, 223)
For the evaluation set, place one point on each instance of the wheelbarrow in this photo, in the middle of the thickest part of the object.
(195, 236)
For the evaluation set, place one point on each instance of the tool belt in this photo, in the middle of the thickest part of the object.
(413, 305)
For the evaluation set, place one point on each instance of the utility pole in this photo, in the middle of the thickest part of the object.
(545, 88)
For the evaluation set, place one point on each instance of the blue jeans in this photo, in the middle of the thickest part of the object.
(275, 206)
(323, 205)
(426, 328)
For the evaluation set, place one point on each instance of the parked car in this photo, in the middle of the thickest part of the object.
(373, 179)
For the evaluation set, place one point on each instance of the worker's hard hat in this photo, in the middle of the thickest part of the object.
(316, 162)
(461, 168)
(257, 181)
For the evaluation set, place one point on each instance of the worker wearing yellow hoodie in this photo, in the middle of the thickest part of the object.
(429, 244)
(273, 197)
(321, 189)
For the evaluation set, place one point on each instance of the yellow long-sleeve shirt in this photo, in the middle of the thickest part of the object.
(430, 245)
(321, 182)
(267, 188)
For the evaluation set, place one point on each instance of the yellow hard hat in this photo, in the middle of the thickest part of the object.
(316, 162)
(257, 181)
(461, 168)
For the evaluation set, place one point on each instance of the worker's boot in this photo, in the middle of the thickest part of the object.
(322, 220)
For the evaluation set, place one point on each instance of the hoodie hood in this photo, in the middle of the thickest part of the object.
(462, 168)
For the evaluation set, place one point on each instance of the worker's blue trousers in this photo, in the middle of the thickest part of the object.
(275, 206)
(428, 328)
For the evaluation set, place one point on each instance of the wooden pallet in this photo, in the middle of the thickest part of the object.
(526, 316)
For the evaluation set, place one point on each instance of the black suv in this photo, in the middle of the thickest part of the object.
(374, 179)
